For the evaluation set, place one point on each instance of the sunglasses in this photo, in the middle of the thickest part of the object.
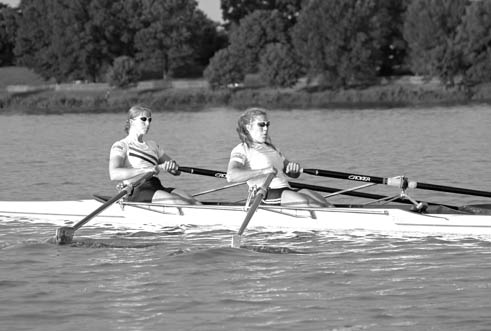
(144, 119)
(263, 124)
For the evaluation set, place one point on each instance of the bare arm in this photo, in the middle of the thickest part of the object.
(117, 171)
(237, 173)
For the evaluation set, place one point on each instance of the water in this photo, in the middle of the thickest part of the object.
(188, 278)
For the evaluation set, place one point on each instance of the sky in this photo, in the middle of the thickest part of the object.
(210, 7)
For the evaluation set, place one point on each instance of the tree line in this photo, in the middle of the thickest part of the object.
(339, 43)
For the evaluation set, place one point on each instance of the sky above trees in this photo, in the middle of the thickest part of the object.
(210, 7)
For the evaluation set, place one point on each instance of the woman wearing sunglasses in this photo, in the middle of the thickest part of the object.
(132, 157)
(256, 157)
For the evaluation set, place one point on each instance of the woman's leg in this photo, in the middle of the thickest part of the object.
(303, 198)
(317, 197)
(177, 197)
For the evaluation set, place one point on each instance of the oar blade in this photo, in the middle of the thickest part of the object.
(64, 235)
(236, 240)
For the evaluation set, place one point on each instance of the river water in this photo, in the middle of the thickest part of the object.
(189, 279)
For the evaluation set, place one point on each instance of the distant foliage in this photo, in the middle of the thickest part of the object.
(394, 50)
(473, 43)
(233, 11)
(430, 30)
(256, 31)
(224, 70)
(7, 35)
(33, 37)
(123, 72)
(279, 66)
(341, 40)
(79, 39)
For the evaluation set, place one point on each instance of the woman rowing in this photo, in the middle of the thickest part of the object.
(133, 157)
(256, 157)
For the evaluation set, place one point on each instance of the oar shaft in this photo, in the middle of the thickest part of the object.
(257, 200)
(126, 190)
(395, 181)
(349, 176)
(221, 174)
(101, 208)
(449, 189)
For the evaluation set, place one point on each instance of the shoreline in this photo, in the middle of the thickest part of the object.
(92, 99)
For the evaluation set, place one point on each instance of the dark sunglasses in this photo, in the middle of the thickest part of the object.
(263, 124)
(144, 119)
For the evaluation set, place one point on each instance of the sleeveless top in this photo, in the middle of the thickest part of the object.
(136, 154)
(259, 157)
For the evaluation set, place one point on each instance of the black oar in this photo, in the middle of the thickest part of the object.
(64, 234)
(204, 172)
(395, 181)
(257, 200)
(351, 176)
(221, 174)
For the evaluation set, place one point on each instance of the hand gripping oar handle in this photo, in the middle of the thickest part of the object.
(64, 235)
(257, 200)
(395, 181)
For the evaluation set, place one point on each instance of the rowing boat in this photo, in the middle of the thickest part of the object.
(155, 216)
(383, 217)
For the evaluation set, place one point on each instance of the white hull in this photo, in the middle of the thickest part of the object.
(143, 217)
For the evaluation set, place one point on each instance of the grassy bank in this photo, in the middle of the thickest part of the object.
(32, 95)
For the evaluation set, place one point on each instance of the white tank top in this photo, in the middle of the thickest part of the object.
(260, 157)
(136, 154)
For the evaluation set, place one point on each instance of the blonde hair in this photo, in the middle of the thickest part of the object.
(133, 112)
(246, 118)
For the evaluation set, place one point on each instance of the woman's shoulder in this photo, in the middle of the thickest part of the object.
(152, 144)
(241, 147)
(119, 146)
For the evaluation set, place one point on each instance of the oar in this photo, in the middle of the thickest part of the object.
(221, 174)
(257, 200)
(64, 234)
(360, 194)
(395, 181)
(204, 172)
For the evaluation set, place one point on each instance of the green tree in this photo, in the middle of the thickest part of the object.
(340, 41)
(224, 69)
(430, 29)
(123, 72)
(8, 27)
(249, 39)
(164, 38)
(473, 43)
(279, 66)
(73, 39)
(233, 11)
(205, 40)
(33, 36)
(394, 51)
